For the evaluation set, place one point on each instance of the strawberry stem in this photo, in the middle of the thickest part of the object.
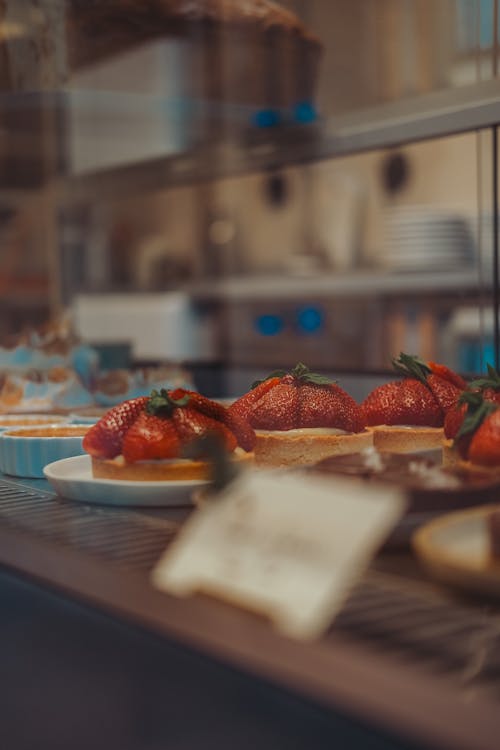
(161, 404)
(411, 367)
(492, 381)
(301, 373)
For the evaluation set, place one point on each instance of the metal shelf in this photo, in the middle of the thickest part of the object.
(360, 283)
(435, 115)
(245, 150)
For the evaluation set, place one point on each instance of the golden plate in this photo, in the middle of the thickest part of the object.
(455, 550)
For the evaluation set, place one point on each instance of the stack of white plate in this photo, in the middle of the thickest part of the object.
(420, 238)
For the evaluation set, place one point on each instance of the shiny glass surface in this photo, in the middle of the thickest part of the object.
(147, 156)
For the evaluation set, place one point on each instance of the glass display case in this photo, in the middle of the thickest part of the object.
(236, 185)
(309, 180)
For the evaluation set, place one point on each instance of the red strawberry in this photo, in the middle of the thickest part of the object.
(150, 438)
(490, 394)
(488, 385)
(484, 448)
(105, 438)
(200, 403)
(409, 404)
(191, 424)
(244, 434)
(463, 421)
(240, 427)
(277, 409)
(406, 401)
(446, 374)
(453, 420)
(244, 404)
(328, 406)
(445, 392)
(300, 398)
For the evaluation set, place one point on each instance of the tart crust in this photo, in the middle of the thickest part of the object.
(157, 471)
(451, 456)
(479, 470)
(406, 440)
(280, 449)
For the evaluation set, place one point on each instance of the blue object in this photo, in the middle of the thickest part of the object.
(269, 325)
(474, 356)
(267, 118)
(310, 320)
(305, 112)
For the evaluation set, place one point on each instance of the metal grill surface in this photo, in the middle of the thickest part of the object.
(418, 623)
(123, 537)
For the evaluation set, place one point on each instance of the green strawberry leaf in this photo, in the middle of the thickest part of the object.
(161, 404)
(492, 381)
(477, 410)
(410, 366)
(316, 379)
(303, 373)
(300, 372)
(473, 399)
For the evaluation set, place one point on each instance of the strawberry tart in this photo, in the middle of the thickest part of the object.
(474, 404)
(474, 432)
(408, 414)
(300, 418)
(160, 437)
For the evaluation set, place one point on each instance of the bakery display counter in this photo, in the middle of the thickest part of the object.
(91, 650)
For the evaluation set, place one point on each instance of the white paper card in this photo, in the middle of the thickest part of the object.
(288, 546)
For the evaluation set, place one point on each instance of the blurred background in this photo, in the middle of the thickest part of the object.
(333, 203)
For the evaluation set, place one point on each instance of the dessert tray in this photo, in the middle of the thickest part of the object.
(72, 479)
(455, 550)
(430, 490)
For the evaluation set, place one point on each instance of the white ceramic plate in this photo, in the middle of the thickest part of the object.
(455, 550)
(83, 418)
(12, 421)
(72, 478)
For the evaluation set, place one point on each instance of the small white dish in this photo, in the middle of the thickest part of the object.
(86, 417)
(24, 451)
(72, 478)
(13, 421)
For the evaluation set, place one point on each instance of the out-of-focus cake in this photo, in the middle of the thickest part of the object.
(111, 387)
(429, 486)
(46, 368)
(58, 389)
(252, 52)
(49, 346)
